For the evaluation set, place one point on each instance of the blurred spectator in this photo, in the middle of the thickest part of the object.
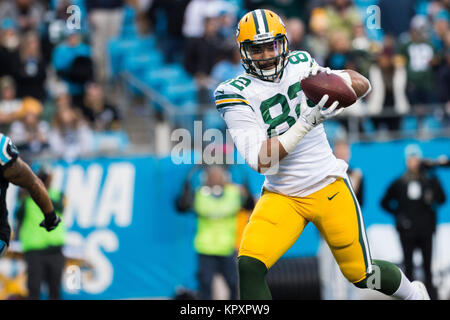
(42, 250)
(31, 71)
(101, 115)
(54, 26)
(11, 107)
(362, 56)
(216, 203)
(194, 18)
(228, 21)
(9, 46)
(392, 22)
(201, 54)
(197, 12)
(440, 37)
(174, 10)
(70, 136)
(440, 30)
(296, 34)
(228, 68)
(317, 38)
(72, 61)
(419, 53)
(443, 73)
(105, 18)
(27, 13)
(30, 134)
(340, 55)
(349, 48)
(63, 100)
(388, 79)
(412, 199)
(343, 16)
(287, 8)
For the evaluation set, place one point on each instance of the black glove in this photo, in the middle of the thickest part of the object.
(51, 221)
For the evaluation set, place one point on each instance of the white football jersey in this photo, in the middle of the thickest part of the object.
(255, 110)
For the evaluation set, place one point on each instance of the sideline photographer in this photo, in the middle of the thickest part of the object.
(413, 199)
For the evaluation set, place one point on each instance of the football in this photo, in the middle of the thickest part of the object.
(332, 85)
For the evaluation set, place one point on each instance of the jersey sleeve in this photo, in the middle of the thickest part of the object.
(226, 97)
(241, 122)
(8, 151)
(310, 61)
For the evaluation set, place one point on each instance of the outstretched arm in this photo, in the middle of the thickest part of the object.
(20, 174)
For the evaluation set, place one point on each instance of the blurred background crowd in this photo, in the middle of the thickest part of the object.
(61, 62)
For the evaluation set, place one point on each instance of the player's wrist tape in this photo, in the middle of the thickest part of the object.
(293, 135)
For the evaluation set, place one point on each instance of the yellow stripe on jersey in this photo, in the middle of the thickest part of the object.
(218, 102)
(227, 100)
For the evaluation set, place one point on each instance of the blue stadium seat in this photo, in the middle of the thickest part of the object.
(408, 124)
(128, 28)
(147, 43)
(179, 94)
(117, 50)
(368, 126)
(432, 124)
(165, 76)
(139, 64)
(125, 53)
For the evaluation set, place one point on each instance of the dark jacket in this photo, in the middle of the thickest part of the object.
(413, 203)
(201, 54)
(30, 77)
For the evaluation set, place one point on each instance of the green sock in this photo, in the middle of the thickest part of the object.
(385, 278)
(252, 279)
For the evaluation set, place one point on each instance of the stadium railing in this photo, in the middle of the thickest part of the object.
(431, 122)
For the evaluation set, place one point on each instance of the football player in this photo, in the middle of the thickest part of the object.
(15, 170)
(279, 132)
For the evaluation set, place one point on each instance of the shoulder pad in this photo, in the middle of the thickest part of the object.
(296, 57)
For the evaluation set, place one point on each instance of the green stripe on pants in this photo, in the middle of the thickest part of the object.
(362, 238)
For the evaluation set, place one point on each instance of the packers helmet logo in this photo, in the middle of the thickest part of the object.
(238, 30)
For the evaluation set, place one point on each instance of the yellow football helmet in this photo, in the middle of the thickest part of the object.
(257, 29)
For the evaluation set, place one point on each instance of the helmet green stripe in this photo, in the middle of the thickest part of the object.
(255, 20)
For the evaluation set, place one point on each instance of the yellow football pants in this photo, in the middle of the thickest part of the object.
(277, 222)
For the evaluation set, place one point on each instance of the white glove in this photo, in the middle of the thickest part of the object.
(313, 116)
(316, 69)
(310, 117)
